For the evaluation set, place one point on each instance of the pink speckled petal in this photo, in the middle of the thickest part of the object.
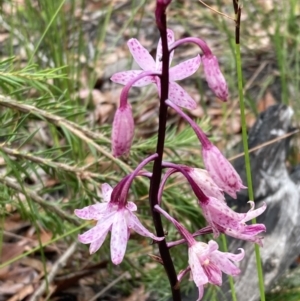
(185, 69)
(221, 170)
(212, 246)
(141, 55)
(96, 245)
(91, 212)
(96, 232)
(125, 76)
(135, 224)
(224, 261)
(213, 273)
(122, 131)
(119, 237)
(214, 77)
(200, 292)
(252, 213)
(237, 234)
(171, 39)
(197, 274)
(131, 206)
(106, 190)
(254, 229)
(206, 183)
(181, 98)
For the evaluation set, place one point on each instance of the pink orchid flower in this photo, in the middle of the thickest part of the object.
(207, 264)
(223, 219)
(143, 58)
(114, 217)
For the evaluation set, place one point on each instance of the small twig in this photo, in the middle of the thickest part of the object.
(79, 171)
(61, 262)
(217, 12)
(109, 286)
(82, 133)
(36, 198)
(253, 149)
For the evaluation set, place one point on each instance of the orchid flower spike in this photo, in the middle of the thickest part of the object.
(118, 218)
(223, 219)
(143, 58)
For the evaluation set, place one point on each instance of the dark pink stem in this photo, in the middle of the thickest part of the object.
(125, 90)
(203, 46)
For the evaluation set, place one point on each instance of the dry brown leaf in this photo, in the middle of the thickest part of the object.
(24, 292)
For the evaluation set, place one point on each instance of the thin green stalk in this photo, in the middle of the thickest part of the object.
(231, 283)
(247, 162)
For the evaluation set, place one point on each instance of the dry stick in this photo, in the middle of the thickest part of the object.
(82, 133)
(265, 144)
(79, 171)
(36, 198)
(109, 286)
(60, 263)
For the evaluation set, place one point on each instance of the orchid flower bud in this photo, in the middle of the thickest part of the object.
(221, 171)
(122, 131)
(214, 77)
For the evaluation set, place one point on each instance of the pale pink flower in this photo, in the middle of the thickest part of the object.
(220, 169)
(143, 58)
(223, 219)
(122, 131)
(207, 264)
(206, 183)
(116, 218)
(214, 77)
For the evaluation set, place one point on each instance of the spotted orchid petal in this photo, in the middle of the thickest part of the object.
(97, 244)
(220, 170)
(197, 272)
(252, 213)
(141, 55)
(135, 224)
(106, 190)
(213, 273)
(98, 231)
(122, 131)
(125, 76)
(206, 183)
(185, 69)
(158, 59)
(119, 237)
(180, 97)
(224, 261)
(214, 77)
(92, 211)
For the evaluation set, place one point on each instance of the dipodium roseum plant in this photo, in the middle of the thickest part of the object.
(119, 216)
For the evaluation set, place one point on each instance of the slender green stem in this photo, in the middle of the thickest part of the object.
(231, 283)
(247, 162)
